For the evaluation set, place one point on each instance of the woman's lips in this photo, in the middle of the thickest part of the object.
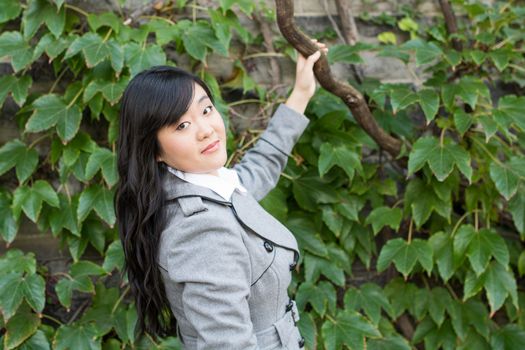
(212, 148)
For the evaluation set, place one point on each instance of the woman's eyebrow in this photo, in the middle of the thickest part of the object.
(203, 98)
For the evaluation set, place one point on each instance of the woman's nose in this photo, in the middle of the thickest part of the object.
(205, 130)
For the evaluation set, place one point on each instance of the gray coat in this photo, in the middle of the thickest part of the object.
(227, 265)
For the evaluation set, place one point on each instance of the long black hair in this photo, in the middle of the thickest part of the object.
(154, 98)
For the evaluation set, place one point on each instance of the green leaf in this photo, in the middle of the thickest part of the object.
(34, 292)
(405, 255)
(101, 200)
(37, 341)
(512, 107)
(246, 6)
(462, 120)
(13, 45)
(93, 47)
(428, 53)
(322, 297)
(16, 153)
(442, 246)
(309, 190)
(14, 260)
(19, 328)
(18, 87)
(50, 110)
(78, 337)
(384, 216)
(138, 58)
(42, 11)
(114, 257)
(517, 209)
(105, 160)
(10, 10)
(509, 336)
(504, 178)
(65, 287)
(401, 97)
(499, 284)
(315, 266)
(420, 153)
(108, 19)
(443, 158)
(480, 246)
(429, 101)
(8, 224)
(86, 268)
(422, 199)
(307, 234)
(341, 156)
(438, 301)
(501, 58)
(29, 199)
(468, 89)
(332, 219)
(370, 298)
(11, 293)
(344, 53)
(348, 327)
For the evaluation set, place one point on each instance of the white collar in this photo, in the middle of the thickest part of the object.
(223, 185)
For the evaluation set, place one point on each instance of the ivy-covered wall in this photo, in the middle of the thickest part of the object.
(420, 251)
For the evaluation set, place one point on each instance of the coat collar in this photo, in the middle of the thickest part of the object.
(246, 208)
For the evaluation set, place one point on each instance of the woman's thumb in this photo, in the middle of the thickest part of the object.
(313, 58)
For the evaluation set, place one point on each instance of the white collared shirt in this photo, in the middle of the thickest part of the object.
(223, 185)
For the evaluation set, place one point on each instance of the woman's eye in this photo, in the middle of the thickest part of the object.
(210, 107)
(180, 126)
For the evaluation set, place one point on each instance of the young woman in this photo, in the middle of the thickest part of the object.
(199, 249)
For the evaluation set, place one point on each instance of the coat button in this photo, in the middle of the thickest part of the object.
(268, 246)
(289, 305)
(301, 342)
(293, 265)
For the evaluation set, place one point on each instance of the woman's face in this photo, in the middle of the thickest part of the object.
(183, 145)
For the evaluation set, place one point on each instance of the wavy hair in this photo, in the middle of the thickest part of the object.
(154, 98)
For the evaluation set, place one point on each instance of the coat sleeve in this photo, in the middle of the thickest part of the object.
(261, 166)
(209, 257)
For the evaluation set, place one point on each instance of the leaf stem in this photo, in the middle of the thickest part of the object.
(516, 67)
(236, 103)
(75, 98)
(442, 137)
(159, 18)
(120, 299)
(55, 83)
(482, 146)
(454, 295)
(77, 9)
(57, 321)
(39, 139)
(410, 230)
(459, 222)
(107, 35)
(263, 54)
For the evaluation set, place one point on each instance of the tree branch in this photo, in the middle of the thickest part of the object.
(350, 96)
(450, 23)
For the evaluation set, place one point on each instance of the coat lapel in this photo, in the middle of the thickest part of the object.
(253, 215)
(247, 210)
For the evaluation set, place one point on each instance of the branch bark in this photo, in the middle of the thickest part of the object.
(267, 35)
(350, 32)
(450, 23)
(350, 96)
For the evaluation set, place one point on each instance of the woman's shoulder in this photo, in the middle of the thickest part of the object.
(194, 215)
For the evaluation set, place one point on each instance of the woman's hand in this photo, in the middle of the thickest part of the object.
(304, 87)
